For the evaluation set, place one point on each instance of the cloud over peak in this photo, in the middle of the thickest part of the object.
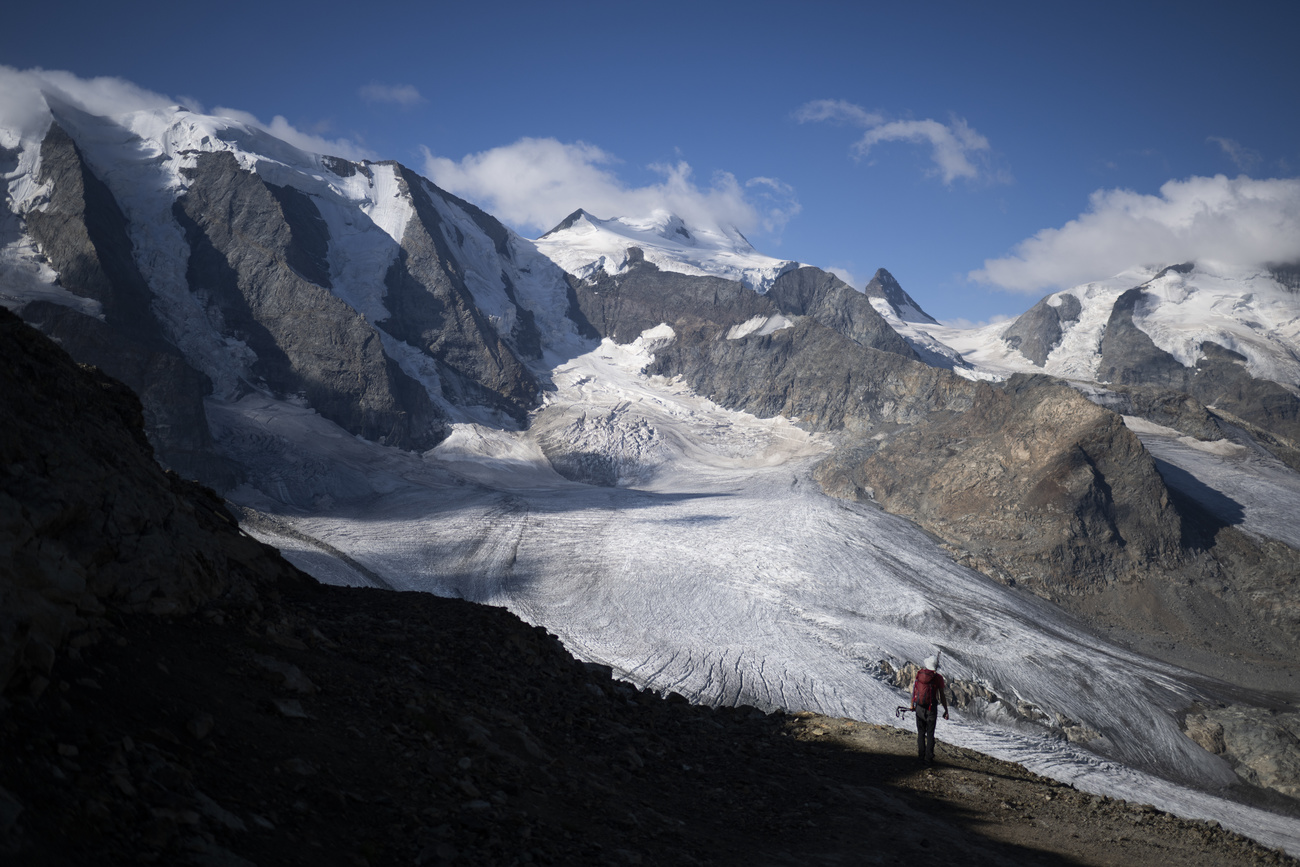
(536, 182)
(25, 110)
(955, 147)
(1233, 221)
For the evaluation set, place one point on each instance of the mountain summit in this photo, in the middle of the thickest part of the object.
(583, 245)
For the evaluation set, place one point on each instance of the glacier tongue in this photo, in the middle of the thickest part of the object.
(727, 576)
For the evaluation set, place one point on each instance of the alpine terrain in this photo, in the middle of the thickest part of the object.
(706, 471)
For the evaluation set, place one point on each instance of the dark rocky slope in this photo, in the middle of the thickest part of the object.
(89, 523)
(432, 309)
(204, 703)
(83, 234)
(830, 301)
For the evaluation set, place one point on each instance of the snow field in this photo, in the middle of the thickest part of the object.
(593, 244)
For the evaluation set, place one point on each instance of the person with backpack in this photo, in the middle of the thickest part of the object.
(927, 692)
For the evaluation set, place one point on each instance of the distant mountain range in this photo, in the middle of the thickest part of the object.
(292, 321)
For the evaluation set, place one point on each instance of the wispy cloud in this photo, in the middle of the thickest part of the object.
(968, 324)
(956, 149)
(536, 182)
(837, 110)
(1242, 157)
(285, 131)
(24, 109)
(398, 94)
(847, 276)
(1234, 221)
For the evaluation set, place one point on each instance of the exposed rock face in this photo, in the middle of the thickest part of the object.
(1034, 482)
(623, 306)
(433, 309)
(883, 285)
(1171, 409)
(837, 305)
(1220, 378)
(1130, 357)
(88, 519)
(805, 369)
(260, 263)
(83, 234)
(815, 375)
(1262, 745)
(1038, 331)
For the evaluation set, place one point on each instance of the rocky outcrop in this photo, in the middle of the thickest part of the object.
(1219, 379)
(1171, 409)
(832, 302)
(813, 375)
(796, 367)
(1262, 745)
(88, 520)
(1034, 484)
(1130, 357)
(431, 308)
(83, 234)
(1038, 331)
(257, 255)
(621, 307)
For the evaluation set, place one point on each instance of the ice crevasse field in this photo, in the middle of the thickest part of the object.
(715, 567)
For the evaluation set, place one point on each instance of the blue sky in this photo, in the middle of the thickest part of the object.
(923, 138)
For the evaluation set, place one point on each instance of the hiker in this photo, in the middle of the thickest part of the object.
(927, 691)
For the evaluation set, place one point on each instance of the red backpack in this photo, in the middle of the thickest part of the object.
(925, 689)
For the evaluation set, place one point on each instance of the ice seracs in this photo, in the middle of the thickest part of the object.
(583, 245)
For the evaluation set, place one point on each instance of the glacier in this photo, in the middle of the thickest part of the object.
(725, 574)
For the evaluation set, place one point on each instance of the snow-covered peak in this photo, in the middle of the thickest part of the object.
(1248, 311)
(583, 245)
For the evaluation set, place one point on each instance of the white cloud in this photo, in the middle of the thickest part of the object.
(23, 107)
(24, 110)
(401, 94)
(967, 324)
(1243, 157)
(950, 145)
(1233, 221)
(536, 182)
(847, 276)
(285, 131)
(837, 110)
(953, 146)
